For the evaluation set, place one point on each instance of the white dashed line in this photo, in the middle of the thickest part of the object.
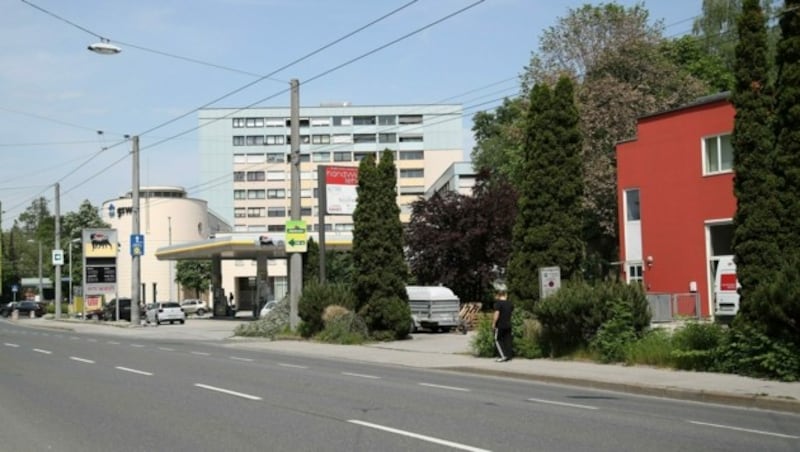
(747, 430)
(242, 359)
(201, 353)
(39, 350)
(373, 377)
(112, 342)
(137, 345)
(571, 405)
(87, 361)
(451, 388)
(429, 439)
(294, 366)
(166, 349)
(8, 344)
(227, 391)
(134, 371)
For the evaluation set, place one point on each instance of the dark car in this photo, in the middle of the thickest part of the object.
(110, 309)
(26, 307)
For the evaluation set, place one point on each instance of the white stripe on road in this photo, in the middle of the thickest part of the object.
(430, 439)
(133, 371)
(242, 359)
(137, 345)
(113, 342)
(294, 366)
(39, 350)
(9, 344)
(361, 375)
(748, 430)
(451, 388)
(166, 349)
(201, 353)
(227, 391)
(571, 405)
(75, 358)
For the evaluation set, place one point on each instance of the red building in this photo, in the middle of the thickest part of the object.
(675, 192)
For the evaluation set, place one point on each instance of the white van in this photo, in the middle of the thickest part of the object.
(726, 288)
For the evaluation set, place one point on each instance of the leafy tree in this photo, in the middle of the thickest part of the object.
(338, 265)
(549, 219)
(689, 54)
(194, 274)
(498, 139)
(381, 271)
(463, 242)
(755, 183)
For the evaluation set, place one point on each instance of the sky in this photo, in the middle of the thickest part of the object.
(65, 111)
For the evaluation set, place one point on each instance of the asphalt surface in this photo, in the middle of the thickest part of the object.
(451, 352)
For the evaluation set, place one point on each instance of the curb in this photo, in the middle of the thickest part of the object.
(739, 400)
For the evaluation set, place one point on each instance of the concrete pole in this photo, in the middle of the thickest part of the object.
(57, 279)
(295, 259)
(135, 259)
(171, 296)
(41, 285)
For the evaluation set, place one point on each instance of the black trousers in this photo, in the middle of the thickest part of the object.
(503, 341)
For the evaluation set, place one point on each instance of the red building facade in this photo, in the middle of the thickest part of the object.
(676, 202)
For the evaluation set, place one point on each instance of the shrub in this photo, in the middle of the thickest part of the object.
(315, 298)
(342, 327)
(273, 324)
(747, 351)
(695, 346)
(614, 335)
(388, 318)
(524, 329)
(653, 349)
(482, 344)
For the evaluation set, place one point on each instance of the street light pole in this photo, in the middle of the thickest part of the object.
(169, 232)
(135, 260)
(295, 259)
(41, 286)
(57, 242)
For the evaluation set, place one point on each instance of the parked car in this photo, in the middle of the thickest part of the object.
(165, 311)
(193, 306)
(110, 310)
(7, 308)
(268, 308)
(26, 307)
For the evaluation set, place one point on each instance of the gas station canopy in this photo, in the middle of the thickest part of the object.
(229, 247)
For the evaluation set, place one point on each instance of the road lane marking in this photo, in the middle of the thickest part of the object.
(9, 344)
(429, 439)
(571, 405)
(201, 353)
(166, 349)
(39, 350)
(242, 359)
(113, 342)
(361, 375)
(228, 391)
(748, 430)
(451, 388)
(91, 340)
(133, 371)
(137, 345)
(294, 366)
(75, 358)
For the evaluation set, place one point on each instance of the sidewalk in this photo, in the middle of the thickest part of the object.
(451, 352)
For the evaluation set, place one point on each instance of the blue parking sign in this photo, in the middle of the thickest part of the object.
(137, 245)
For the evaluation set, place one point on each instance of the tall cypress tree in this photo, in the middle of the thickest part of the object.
(756, 226)
(549, 221)
(381, 270)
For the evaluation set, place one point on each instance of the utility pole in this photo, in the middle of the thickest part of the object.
(295, 259)
(57, 278)
(135, 258)
(1, 248)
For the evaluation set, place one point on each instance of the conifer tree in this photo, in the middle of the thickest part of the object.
(756, 226)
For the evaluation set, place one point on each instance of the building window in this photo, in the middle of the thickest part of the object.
(635, 272)
(342, 157)
(276, 175)
(304, 158)
(276, 158)
(255, 212)
(412, 190)
(387, 120)
(305, 211)
(632, 212)
(255, 194)
(239, 194)
(342, 121)
(304, 139)
(306, 193)
(273, 140)
(276, 227)
(412, 172)
(274, 122)
(387, 138)
(718, 153)
(363, 120)
(304, 122)
(255, 176)
(255, 140)
(409, 119)
(321, 156)
(320, 122)
(358, 156)
(256, 158)
(238, 176)
(239, 158)
(238, 140)
(239, 212)
(411, 138)
(238, 123)
(342, 139)
(343, 227)
(412, 155)
(276, 193)
(275, 212)
(363, 138)
(320, 139)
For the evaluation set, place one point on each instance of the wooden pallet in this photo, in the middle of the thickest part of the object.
(469, 314)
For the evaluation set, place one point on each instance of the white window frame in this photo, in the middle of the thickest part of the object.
(718, 158)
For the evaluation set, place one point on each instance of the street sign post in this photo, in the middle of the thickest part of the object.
(58, 257)
(137, 244)
(296, 236)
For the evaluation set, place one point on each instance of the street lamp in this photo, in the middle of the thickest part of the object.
(41, 285)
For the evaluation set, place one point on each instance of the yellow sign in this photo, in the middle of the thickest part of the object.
(296, 236)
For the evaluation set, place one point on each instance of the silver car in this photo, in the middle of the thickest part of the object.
(194, 306)
(165, 311)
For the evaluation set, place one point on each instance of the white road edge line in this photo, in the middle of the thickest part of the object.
(201, 353)
(227, 391)
(39, 350)
(418, 436)
(294, 366)
(373, 377)
(9, 344)
(249, 360)
(748, 430)
(133, 371)
(75, 358)
(451, 388)
(572, 405)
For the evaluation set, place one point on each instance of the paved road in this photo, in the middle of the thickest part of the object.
(60, 390)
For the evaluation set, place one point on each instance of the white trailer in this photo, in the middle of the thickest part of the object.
(434, 308)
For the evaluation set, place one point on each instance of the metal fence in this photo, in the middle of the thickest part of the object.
(666, 307)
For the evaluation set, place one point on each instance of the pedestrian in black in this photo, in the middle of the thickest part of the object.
(501, 324)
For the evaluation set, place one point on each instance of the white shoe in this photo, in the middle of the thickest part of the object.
(499, 360)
